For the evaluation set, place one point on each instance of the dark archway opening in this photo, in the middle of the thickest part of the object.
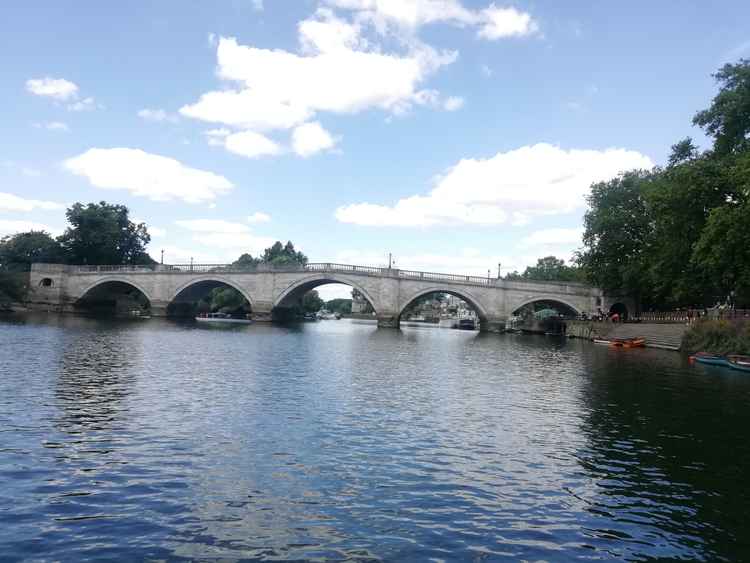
(210, 297)
(620, 310)
(543, 317)
(115, 298)
(323, 300)
(46, 282)
(441, 309)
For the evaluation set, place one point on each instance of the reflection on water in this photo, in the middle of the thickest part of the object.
(137, 440)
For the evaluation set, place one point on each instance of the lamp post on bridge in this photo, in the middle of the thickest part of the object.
(162, 256)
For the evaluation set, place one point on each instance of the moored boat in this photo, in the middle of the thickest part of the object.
(221, 318)
(741, 363)
(636, 342)
(710, 359)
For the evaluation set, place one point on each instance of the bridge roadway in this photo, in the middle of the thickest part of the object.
(389, 290)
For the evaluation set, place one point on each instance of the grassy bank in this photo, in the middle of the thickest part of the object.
(718, 337)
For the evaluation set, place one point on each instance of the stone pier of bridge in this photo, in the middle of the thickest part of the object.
(390, 291)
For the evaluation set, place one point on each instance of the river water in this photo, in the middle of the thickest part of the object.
(336, 440)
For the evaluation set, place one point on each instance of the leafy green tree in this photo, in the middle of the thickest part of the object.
(723, 251)
(311, 302)
(617, 235)
(283, 255)
(246, 262)
(728, 118)
(21, 250)
(343, 306)
(551, 268)
(102, 233)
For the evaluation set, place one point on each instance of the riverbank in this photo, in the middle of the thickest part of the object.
(718, 337)
(666, 336)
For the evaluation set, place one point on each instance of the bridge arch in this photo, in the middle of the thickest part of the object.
(211, 278)
(549, 298)
(114, 279)
(464, 294)
(302, 286)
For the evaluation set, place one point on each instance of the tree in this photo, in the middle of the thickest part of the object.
(343, 306)
(311, 302)
(551, 268)
(246, 262)
(683, 151)
(21, 250)
(723, 251)
(617, 234)
(284, 255)
(104, 234)
(728, 118)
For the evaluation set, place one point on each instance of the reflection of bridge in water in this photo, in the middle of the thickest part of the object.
(268, 289)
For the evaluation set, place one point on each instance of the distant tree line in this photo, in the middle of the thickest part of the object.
(678, 235)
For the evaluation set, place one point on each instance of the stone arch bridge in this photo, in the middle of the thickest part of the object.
(389, 290)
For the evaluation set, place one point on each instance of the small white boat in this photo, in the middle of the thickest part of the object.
(221, 318)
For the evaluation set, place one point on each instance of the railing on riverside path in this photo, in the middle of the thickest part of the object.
(312, 267)
(691, 315)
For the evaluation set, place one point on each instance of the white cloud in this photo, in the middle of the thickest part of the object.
(156, 177)
(10, 202)
(87, 104)
(30, 172)
(257, 5)
(311, 138)
(486, 70)
(216, 136)
(500, 23)
(9, 227)
(453, 103)
(493, 22)
(52, 125)
(251, 144)
(553, 237)
(57, 88)
(157, 115)
(212, 226)
(337, 73)
(518, 185)
(259, 217)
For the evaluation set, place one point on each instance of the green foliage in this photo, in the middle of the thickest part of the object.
(226, 300)
(311, 302)
(19, 251)
(675, 236)
(343, 306)
(551, 268)
(277, 255)
(718, 337)
(728, 118)
(103, 234)
(13, 287)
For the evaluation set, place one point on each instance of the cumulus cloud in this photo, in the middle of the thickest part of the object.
(10, 202)
(514, 186)
(56, 88)
(251, 144)
(155, 177)
(157, 115)
(499, 23)
(311, 138)
(553, 237)
(259, 217)
(453, 103)
(336, 70)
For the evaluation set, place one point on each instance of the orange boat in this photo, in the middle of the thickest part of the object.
(637, 342)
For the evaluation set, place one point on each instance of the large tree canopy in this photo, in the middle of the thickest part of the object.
(677, 236)
(102, 233)
(21, 250)
(278, 255)
(727, 120)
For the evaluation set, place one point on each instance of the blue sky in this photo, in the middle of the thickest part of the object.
(455, 135)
